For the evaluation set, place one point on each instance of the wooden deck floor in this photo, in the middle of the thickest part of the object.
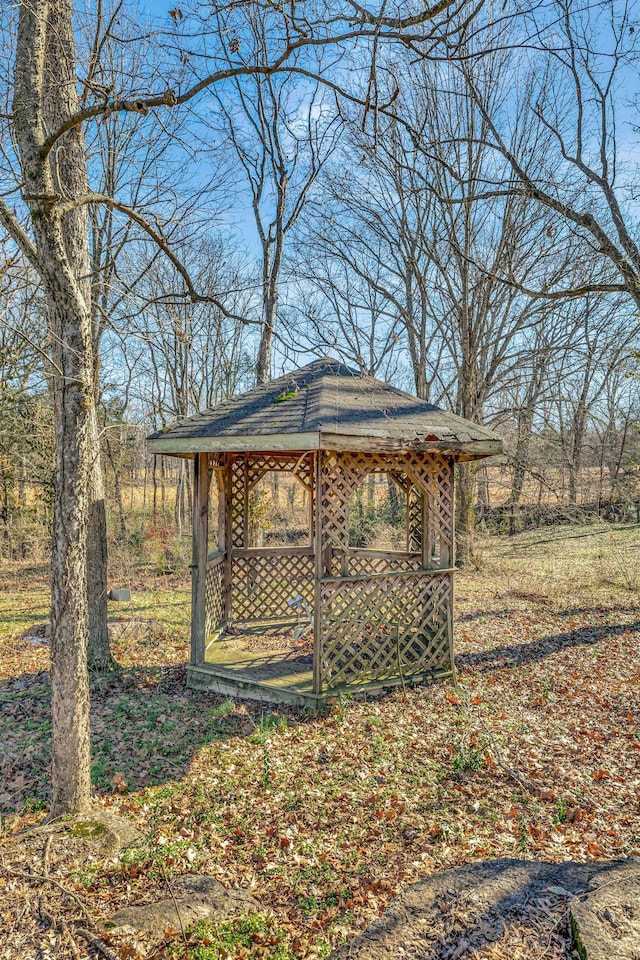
(268, 665)
(261, 664)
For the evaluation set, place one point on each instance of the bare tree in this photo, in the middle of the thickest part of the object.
(412, 220)
(282, 133)
(51, 231)
(582, 56)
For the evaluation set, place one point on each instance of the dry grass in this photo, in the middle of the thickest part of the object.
(535, 754)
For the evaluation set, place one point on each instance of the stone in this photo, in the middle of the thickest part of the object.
(456, 912)
(122, 594)
(110, 832)
(38, 633)
(606, 922)
(195, 897)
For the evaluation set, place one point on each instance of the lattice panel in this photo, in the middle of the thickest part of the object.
(360, 564)
(414, 518)
(247, 469)
(262, 585)
(237, 505)
(300, 465)
(387, 627)
(440, 491)
(429, 474)
(214, 596)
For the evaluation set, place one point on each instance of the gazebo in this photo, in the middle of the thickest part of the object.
(375, 615)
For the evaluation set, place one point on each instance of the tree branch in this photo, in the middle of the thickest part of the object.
(18, 234)
(170, 98)
(158, 239)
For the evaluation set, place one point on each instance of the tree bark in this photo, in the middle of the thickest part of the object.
(44, 94)
(99, 658)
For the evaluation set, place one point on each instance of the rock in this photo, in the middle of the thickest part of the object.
(606, 922)
(122, 594)
(38, 633)
(110, 832)
(196, 897)
(459, 911)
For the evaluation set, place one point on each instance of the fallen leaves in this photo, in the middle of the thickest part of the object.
(367, 798)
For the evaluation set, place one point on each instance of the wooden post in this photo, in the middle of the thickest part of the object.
(451, 562)
(319, 568)
(427, 531)
(228, 537)
(201, 477)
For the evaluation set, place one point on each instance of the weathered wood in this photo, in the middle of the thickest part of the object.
(378, 615)
(381, 576)
(265, 443)
(319, 566)
(201, 478)
(327, 405)
(228, 536)
(390, 554)
(292, 551)
(301, 442)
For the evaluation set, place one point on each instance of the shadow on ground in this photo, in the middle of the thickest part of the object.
(146, 727)
(519, 654)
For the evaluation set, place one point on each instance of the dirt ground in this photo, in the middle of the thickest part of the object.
(325, 818)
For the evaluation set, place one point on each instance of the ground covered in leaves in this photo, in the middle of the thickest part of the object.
(325, 818)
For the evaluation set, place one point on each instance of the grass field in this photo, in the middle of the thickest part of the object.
(536, 754)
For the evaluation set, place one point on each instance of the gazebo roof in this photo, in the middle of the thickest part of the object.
(325, 405)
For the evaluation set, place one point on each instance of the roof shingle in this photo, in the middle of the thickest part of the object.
(325, 405)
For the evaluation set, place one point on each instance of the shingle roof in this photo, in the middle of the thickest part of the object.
(325, 405)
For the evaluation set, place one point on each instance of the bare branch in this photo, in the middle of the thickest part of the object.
(18, 234)
(158, 239)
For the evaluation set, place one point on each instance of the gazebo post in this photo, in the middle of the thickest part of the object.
(317, 595)
(228, 540)
(201, 478)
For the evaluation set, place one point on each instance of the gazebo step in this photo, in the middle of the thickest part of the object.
(236, 683)
(240, 684)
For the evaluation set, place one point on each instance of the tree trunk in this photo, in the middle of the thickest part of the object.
(99, 657)
(45, 94)
(70, 756)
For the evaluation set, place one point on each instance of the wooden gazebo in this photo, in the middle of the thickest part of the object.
(379, 616)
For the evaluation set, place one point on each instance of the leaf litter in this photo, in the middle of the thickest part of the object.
(325, 817)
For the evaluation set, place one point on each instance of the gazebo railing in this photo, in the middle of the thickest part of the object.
(377, 626)
(265, 581)
(214, 593)
(362, 560)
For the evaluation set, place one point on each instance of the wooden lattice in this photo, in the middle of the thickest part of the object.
(378, 614)
(373, 561)
(429, 476)
(263, 583)
(415, 506)
(375, 621)
(214, 594)
(383, 627)
(247, 469)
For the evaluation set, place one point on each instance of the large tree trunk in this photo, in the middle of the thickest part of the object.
(44, 95)
(70, 756)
